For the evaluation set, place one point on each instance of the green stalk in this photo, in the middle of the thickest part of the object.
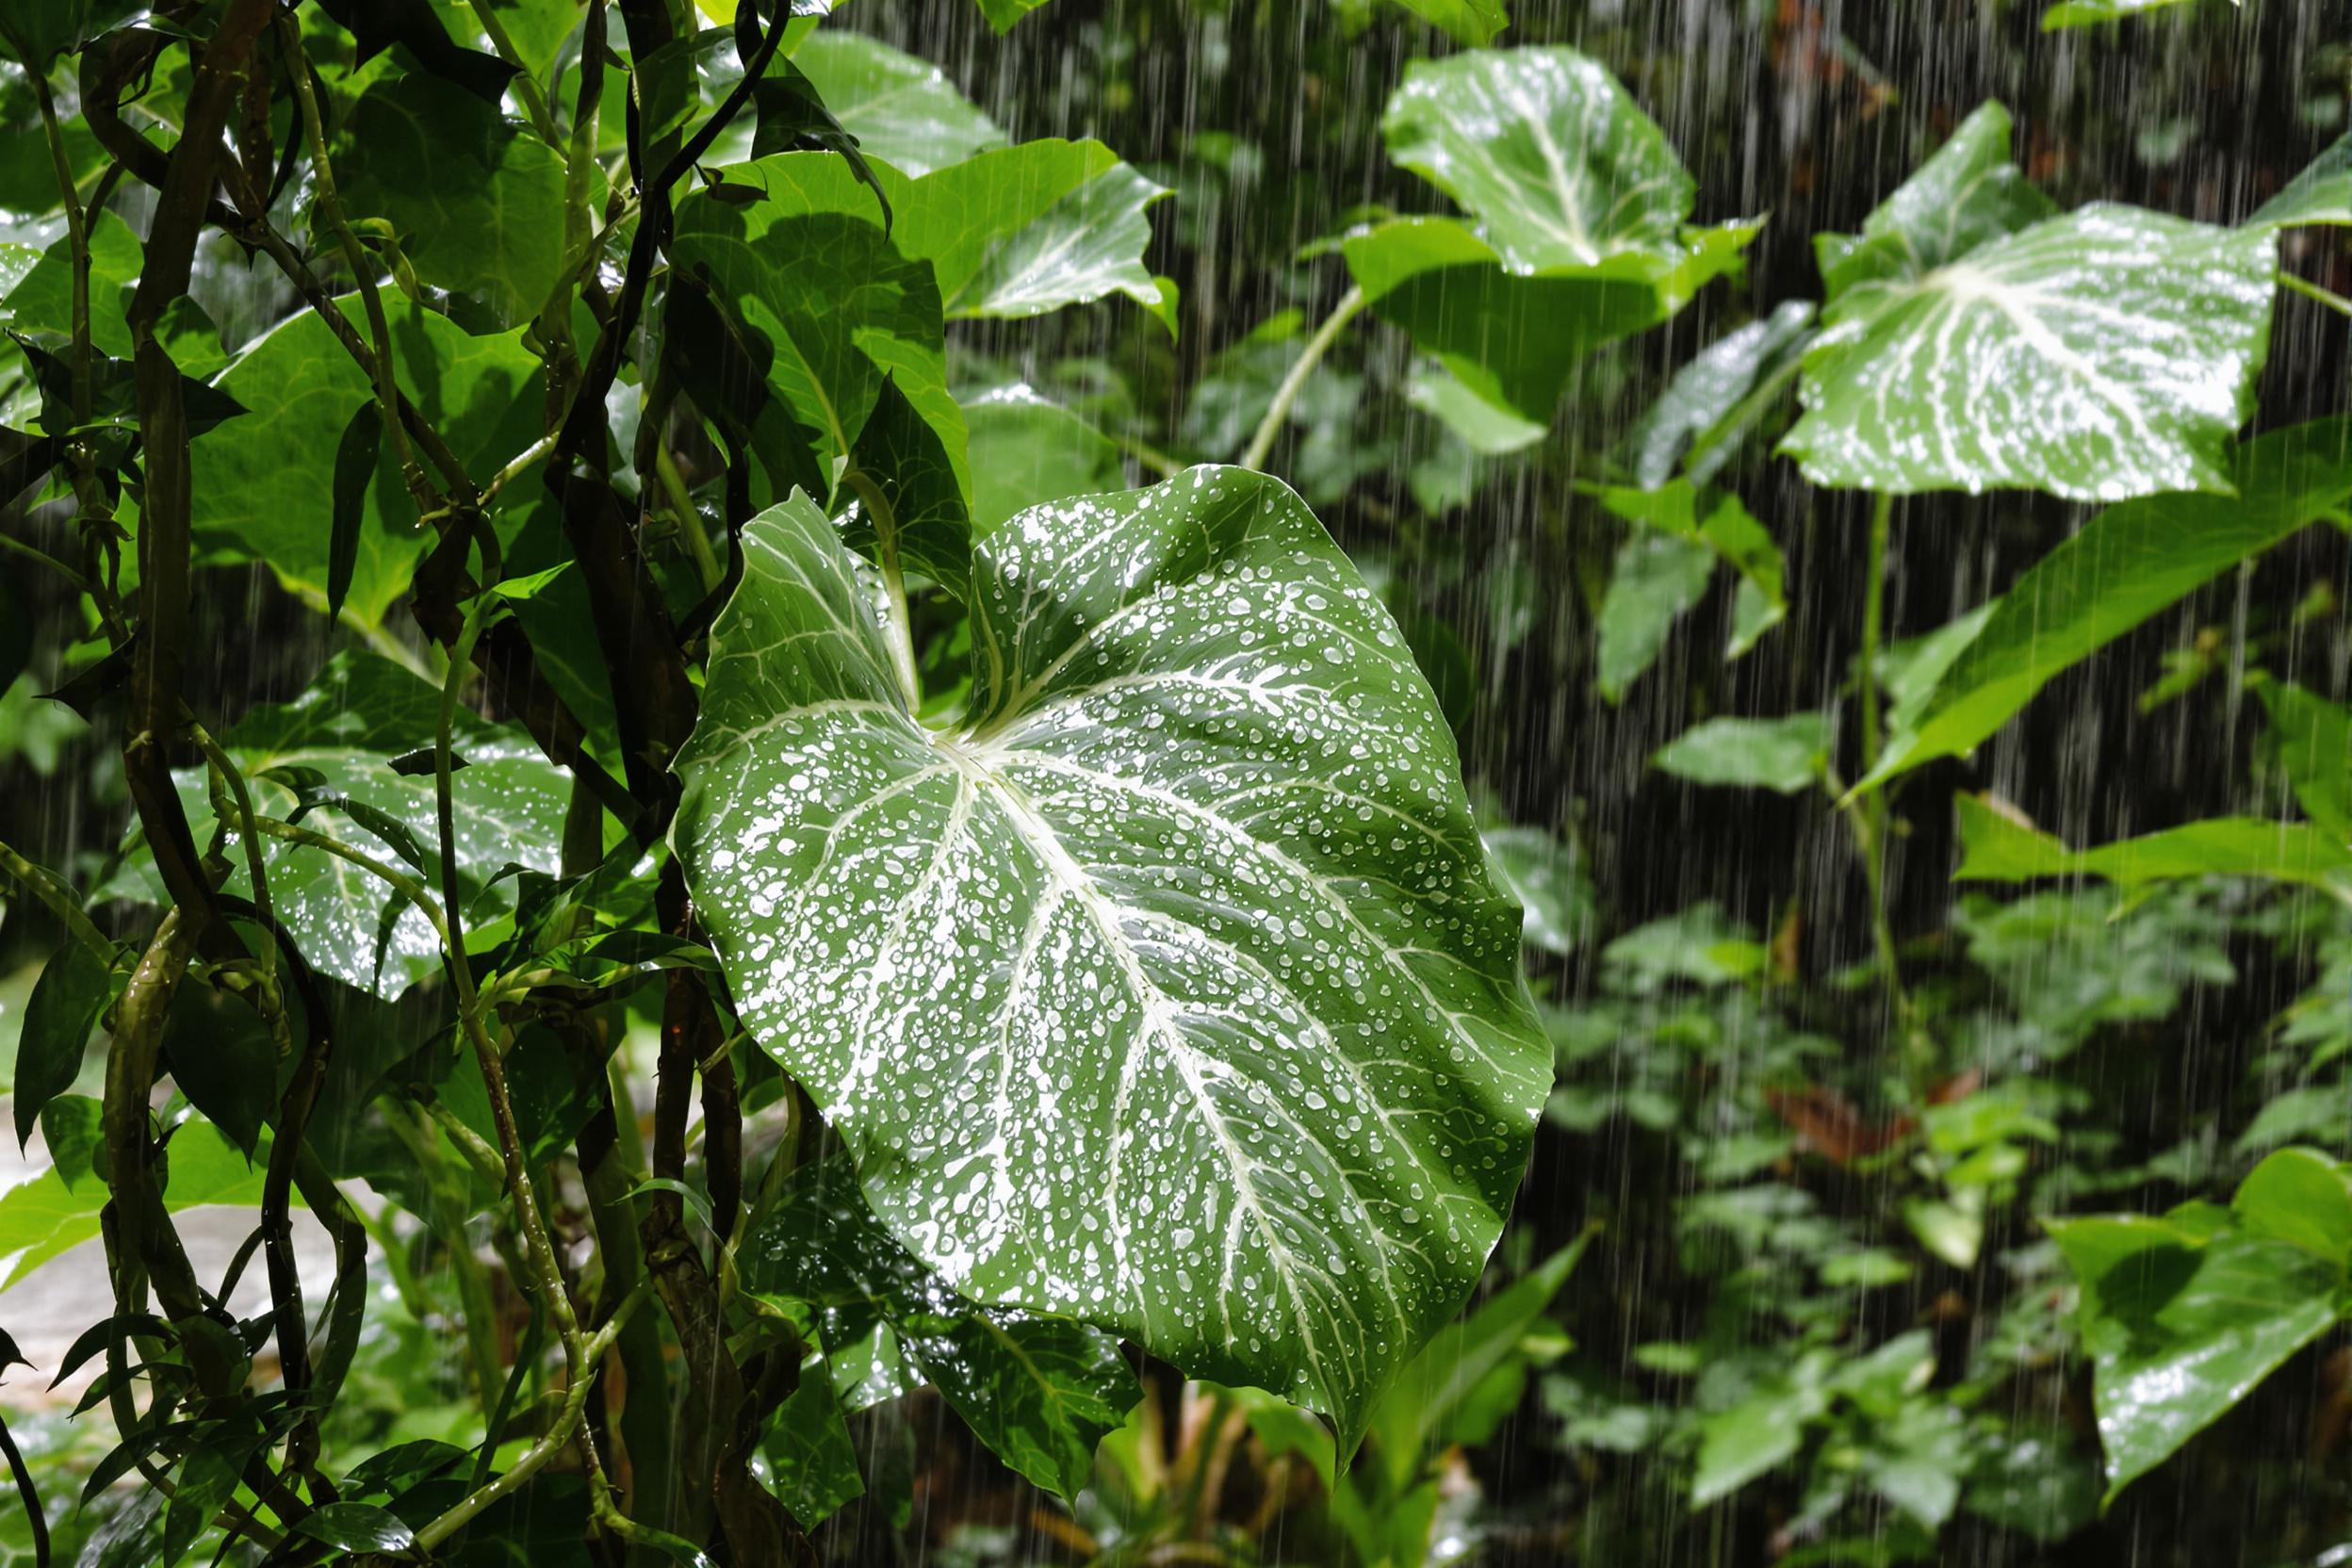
(1350, 306)
(1870, 817)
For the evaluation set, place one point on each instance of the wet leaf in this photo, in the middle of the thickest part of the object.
(1997, 847)
(1027, 450)
(811, 1463)
(64, 1007)
(1166, 732)
(357, 1528)
(2322, 193)
(1657, 578)
(2124, 565)
(2314, 742)
(1464, 21)
(1721, 396)
(1762, 1432)
(1546, 875)
(1972, 343)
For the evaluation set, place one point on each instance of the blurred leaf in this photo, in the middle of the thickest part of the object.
(1026, 451)
(1762, 1432)
(1546, 875)
(1657, 578)
(1785, 755)
(1720, 397)
(2085, 13)
(2314, 742)
(2322, 193)
(1995, 847)
(900, 109)
(41, 1217)
(1464, 21)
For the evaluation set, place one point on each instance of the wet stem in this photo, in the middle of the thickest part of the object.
(1866, 809)
(1262, 444)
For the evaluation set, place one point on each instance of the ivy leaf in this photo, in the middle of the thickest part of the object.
(1027, 450)
(2121, 567)
(264, 486)
(1151, 919)
(1972, 344)
(64, 1007)
(900, 109)
(477, 202)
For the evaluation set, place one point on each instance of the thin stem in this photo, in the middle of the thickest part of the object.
(461, 664)
(688, 520)
(58, 901)
(1869, 813)
(1350, 306)
(893, 583)
(45, 558)
(330, 205)
(2309, 290)
(267, 956)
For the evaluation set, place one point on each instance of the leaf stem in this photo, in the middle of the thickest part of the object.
(688, 520)
(2309, 290)
(1869, 814)
(1350, 306)
(893, 585)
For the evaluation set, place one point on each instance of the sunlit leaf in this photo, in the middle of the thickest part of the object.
(1151, 919)
(900, 109)
(41, 1217)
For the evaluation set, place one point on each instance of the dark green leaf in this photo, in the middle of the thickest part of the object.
(64, 1007)
(354, 471)
(357, 1528)
(812, 1463)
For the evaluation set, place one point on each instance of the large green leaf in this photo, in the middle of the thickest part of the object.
(49, 27)
(2182, 1325)
(1555, 161)
(900, 109)
(1464, 21)
(2126, 565)
(2321, 194)
(336, 742)
(42, 1218)
(826, 307)
(1040, 1391)
(1970, 343)
(476, 201)
(1028, 229)
(265, 484)
(1167, 989)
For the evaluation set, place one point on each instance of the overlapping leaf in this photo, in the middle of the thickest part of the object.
(264, 486)
(1578, 208)
(900, 109)
(1167, 989)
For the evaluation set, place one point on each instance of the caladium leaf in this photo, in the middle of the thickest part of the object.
(900, 109)
(1168, 988)
(1970, 343)
(1578, 233)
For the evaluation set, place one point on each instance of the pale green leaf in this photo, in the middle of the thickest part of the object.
(41, 1217)
(1785, 755)
(1464, 21)
(900, 109)
(2085, 13)
(2322, 193)
(1546, 875)
(2125, 564)
(1766, 1430)
(1126, 994)
(1657, 578)
(1026, 451)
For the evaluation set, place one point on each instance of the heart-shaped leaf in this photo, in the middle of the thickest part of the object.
(1168, 988)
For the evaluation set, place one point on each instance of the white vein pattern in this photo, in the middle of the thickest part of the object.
(1170, 991)
(1553, 157)
(2100, 355)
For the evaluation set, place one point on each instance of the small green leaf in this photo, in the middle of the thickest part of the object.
(354, 471)
(1762, 1432)
(811, 1463)
(2300, 1197)
(1464, 21)
(1657, 578)
(2085, 13)
(59, 1016)
(1785, 755)
(1546, 875)
(357, 1528)
(1720, 397)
